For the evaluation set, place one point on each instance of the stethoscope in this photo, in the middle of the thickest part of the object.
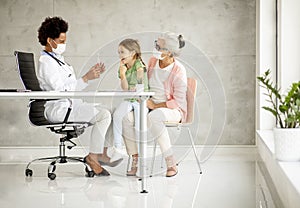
(56, 59)
(61, 63)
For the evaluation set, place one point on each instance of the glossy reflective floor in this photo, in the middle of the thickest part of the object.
(232, 182)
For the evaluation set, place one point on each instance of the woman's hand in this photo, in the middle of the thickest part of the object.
(94, 72)
(150, 104)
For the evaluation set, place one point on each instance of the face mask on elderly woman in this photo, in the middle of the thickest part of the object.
(157, 54)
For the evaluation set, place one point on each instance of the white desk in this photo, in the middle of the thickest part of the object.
(71, 94)
(143, 116)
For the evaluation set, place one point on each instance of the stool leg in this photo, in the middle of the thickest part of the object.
(162, 161)
(194, 149)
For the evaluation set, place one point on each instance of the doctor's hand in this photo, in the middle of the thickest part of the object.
(94, 72)
(99, 68)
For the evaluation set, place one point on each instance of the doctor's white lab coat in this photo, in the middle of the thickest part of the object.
(55, 76)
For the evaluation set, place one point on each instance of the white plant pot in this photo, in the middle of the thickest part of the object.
(287, 144)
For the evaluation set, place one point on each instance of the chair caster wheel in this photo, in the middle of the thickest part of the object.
(51, 176)
(89, 173)
(28, 172)
(51, 168)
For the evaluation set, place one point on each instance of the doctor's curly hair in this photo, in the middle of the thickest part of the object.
(51, 28)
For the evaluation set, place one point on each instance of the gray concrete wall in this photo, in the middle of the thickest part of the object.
(223, 30)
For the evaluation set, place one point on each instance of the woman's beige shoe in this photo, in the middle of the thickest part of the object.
(171, 166)
(133, 170)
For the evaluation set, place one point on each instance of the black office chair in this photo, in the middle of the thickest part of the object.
(68, 130)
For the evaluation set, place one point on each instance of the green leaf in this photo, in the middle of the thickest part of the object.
(283, 108)
(270, 110)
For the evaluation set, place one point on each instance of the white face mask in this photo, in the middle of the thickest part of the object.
(60, 49)
(157, 54)
(125, 56)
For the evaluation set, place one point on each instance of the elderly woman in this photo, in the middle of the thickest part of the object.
(167, 78)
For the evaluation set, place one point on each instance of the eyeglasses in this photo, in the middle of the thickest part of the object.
(157, 47)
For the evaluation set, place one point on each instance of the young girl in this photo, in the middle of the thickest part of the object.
(132, 71)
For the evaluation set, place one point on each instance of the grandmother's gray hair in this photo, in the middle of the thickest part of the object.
(173, 42)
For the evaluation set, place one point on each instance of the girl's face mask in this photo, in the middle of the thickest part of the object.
(124, 54)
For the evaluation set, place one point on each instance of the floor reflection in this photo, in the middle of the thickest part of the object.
(266, 194)
(226, 182)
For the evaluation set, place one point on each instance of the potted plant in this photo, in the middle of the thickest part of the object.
(286, 110)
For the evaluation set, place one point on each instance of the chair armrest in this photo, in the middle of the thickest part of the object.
(176, 124)
(70, 124)
(67, 114)
(172, 124)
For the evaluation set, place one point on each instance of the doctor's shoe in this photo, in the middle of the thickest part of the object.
(96, 167)
(103, 173)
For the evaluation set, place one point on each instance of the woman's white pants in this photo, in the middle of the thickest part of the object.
(157, 129)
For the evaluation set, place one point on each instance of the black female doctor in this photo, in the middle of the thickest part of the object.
(54, 74)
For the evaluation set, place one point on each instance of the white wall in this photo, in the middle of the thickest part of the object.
(265, 56)
(289, 42)
(223, 30)
(288, 50)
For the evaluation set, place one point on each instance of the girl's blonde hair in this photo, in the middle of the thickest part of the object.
(132, 45)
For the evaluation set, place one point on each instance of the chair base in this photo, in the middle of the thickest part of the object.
(61, 158)
(52, 166)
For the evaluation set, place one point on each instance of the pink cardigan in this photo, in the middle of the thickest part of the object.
(175, 87)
